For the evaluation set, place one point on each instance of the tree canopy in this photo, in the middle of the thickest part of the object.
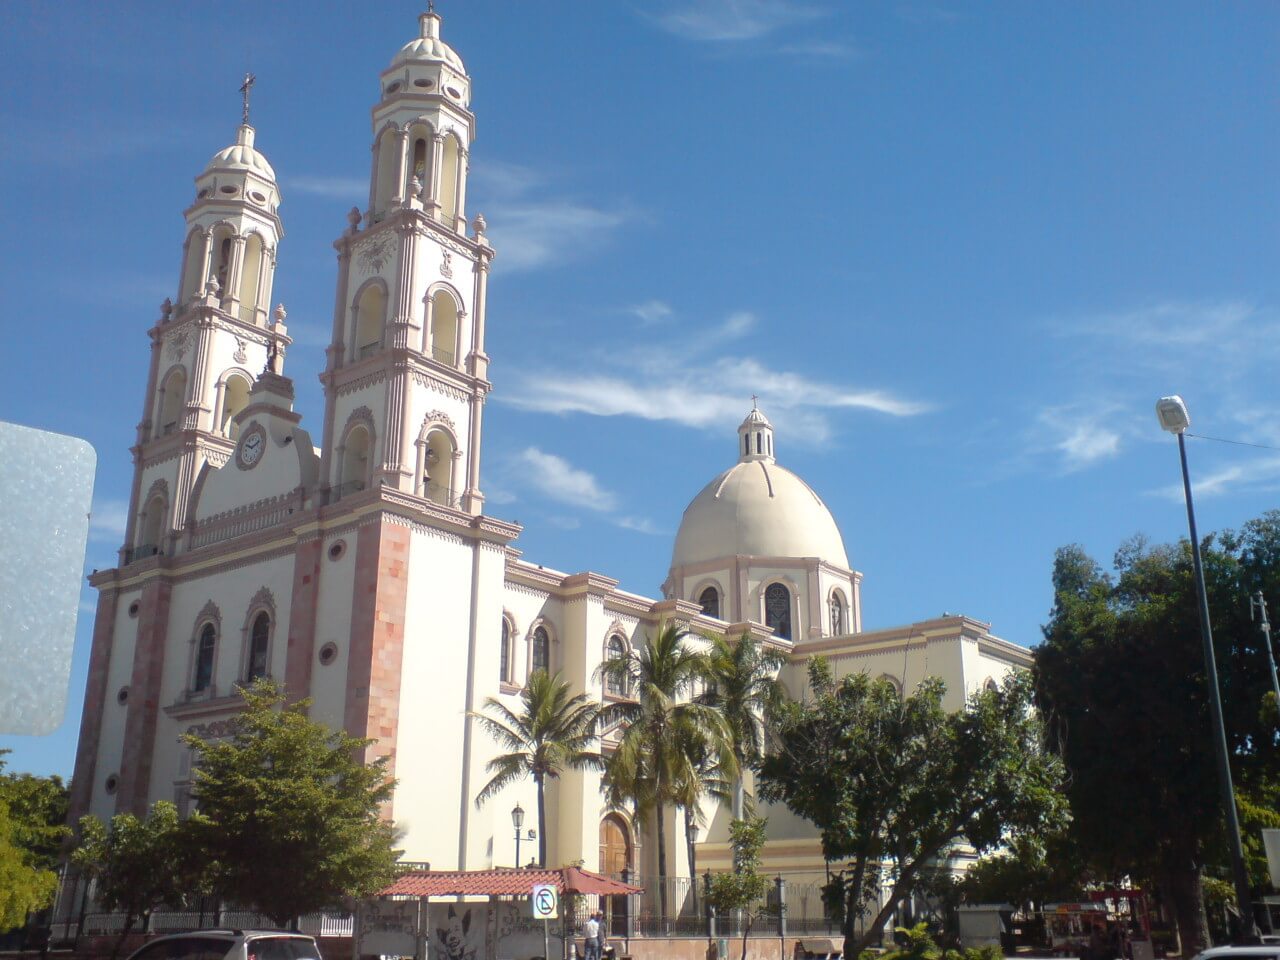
(138, 863)
(745, 887)
(896, 780)
(289, 819)
(555, 729)
(1120, 680)
(33, 812)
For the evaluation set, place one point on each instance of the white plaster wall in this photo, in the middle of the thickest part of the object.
(432, 698)
(111, 731)
(232, 591)
(279, 471)
(333, 622)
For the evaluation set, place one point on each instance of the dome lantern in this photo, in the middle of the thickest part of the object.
(755, 437)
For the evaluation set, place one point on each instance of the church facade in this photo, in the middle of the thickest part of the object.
(358, 566)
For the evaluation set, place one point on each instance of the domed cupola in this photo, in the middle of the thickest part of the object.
(757, 543)
(239, 172)
(426, 66)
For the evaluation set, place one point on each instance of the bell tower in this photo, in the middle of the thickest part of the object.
(210, 343)
(406, 377)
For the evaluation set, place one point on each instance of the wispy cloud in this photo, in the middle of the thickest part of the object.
(340, 188)
(1247, 476)
(821, 49)
(532, 229)
(639, 525)
(108, 520)
(557, 479)
(651, 311)
(679, 383)
(554, 477)
(720, 21)
(1218, 353)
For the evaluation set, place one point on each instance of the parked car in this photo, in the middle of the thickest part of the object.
(1261, 951)
(230, 945)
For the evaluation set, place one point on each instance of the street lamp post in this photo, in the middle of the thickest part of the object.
(1173, 416)
(517, 821)
(1258, 609)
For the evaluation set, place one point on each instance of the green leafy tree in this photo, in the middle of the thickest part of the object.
(667, 734)
(745, 888)
(1120, 679)
(33, 813)
(289, 818)
(742, 683)
(554, 730)
(1030, 872)
(897, 781)
(139, 864)
(25, 886)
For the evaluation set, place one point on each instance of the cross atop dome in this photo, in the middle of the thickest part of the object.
(755, 436)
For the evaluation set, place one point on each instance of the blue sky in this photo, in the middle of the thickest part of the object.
(957, 249)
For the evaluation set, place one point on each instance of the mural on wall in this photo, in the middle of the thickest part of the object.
(458, 931)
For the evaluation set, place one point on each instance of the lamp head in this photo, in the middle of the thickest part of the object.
(1172, 413)
(517, 817)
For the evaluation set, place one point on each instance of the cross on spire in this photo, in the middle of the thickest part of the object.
(754, 399)
(249, 80)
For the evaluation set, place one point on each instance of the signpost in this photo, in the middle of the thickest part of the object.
(546, 904)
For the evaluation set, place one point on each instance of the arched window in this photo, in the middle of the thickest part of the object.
(203, 675)
(222, 260)
(709, 600)
(837, 613)
(151, 530)
(250, 273)
(777, 610)
(420, 159)
(370, 320)
(504, 653)
(193, 268)
(355, 461)
(450, 164)
(438, 455)
(235, 397)
(388, 164)
(173, 401)
(259, 642)
(616, 685)
(540, 655)
(990, 686)
(443, 345)
(893, 682)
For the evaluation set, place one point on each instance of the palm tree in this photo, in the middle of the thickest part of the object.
(655, 764)
(742, 685)
(709, 780)
(554, 729)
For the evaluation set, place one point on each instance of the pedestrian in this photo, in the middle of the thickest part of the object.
(591, 938)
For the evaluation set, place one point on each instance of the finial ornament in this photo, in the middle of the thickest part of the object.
(249, 81)
(755, 402)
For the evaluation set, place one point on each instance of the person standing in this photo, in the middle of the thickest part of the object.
(591, 938)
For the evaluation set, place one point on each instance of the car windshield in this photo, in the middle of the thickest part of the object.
(281, 948)
(185, 948)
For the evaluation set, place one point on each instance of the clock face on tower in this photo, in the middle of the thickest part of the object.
(252, 443)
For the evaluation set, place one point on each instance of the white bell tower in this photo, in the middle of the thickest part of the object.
(407, 373)
(211, 343)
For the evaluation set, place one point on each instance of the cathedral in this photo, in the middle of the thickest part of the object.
(357, 564)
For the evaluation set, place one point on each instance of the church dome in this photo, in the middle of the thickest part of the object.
(429, 47)
(241, 155)
(757, 508)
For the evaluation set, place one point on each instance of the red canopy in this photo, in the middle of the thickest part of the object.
(502, 883)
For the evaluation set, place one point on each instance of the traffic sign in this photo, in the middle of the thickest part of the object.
(546, 903)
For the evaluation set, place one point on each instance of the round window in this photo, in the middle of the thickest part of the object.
(122, 696)
(112, 783)
(393, 87)
(257, 197)
(133, 609)
(425, 84)
(338, 548)
(453, 92)
(328, 653)
(228, 189)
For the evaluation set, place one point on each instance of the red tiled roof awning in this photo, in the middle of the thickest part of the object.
(503, 883)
